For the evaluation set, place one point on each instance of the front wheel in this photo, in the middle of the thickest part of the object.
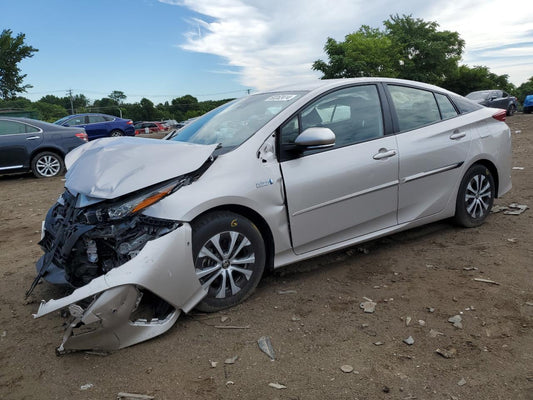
(475, 197)
(229, 258)
(47, 165)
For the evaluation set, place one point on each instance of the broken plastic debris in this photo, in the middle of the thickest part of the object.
(131, 396)
(447, 352)
(433, 333)
(87, 386)
(486, 281)
(456, 321)
(290, 291)
(518, 168)
(470, 268)
(277, 385)
(213, 363)
(266, 347)
(410, 341)
(231, 360)
(368, 306)
(224, 318)
(378, 343)
(346, 368)
(462, 382)
(407, 320)
(421, 322)
(515, 209)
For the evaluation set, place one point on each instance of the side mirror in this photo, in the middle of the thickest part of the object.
(316, 138)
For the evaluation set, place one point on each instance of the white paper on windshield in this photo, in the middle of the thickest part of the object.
(281, 97)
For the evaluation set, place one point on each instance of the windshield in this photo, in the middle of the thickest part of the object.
(233, 123)
(482, 95)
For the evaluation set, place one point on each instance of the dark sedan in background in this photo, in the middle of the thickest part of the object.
(27, 144)
(99, 125)
(495, 99)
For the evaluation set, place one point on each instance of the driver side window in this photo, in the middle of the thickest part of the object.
(353, 114)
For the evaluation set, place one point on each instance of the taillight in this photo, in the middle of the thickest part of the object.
(83, 136)
(130, 122)
(500, 115)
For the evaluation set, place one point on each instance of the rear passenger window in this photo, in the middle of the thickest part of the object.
(96, 118)
(14, 127)
(447, 109)
(465, 106)
(414, 107)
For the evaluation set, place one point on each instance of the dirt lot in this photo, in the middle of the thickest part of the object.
(311, 313)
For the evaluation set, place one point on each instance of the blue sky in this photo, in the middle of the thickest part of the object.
(213, 49)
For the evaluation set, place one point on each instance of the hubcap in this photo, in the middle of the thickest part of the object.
(477, 196)
(48, 166)
(224, 263)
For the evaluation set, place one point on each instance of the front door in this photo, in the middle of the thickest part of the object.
(346, 191)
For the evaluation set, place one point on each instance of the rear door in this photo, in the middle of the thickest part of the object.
(433, 142)
(349, 190)
(98, 126)
(17, 142)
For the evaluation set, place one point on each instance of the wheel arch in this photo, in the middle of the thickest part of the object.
(51, 149)
(257, 219)
(493, 170)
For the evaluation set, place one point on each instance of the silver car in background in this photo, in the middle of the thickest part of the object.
(148, 229)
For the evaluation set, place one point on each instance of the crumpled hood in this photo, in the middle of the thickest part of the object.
(111, 167)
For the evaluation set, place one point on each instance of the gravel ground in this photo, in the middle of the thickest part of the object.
(325, 346)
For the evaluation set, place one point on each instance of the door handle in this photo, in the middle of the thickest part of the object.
(33, 137)
(457, 135)
(384, 154)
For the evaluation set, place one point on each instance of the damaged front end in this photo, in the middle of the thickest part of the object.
(132, 274)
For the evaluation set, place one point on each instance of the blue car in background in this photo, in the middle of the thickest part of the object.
(99, 125)
(528, 104)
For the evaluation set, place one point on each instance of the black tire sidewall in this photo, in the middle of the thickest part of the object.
(208, 226)
(36, 158)
(462, 216)
(117, 133)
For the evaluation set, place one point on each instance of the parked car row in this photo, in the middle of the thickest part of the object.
(99, 125)
(27, 144)
(147, 127)
(495, 99)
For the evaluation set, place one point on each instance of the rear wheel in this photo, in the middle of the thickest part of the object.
(116, 133)
(511, 109)
(475, 197)
(229, 258)
(47, 164)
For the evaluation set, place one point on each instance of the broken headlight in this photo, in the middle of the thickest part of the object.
(116, 211)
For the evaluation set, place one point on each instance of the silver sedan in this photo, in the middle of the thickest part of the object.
(148, 229)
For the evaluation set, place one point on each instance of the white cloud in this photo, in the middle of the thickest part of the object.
(275, 42)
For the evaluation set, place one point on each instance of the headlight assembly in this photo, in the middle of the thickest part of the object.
(133, 205)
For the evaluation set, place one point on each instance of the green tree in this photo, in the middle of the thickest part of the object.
(524, 89)
(408, 48)
(466, 79)
(117, 96)
(49, 112)
(366, 52)
(426, 54)
(12, 51)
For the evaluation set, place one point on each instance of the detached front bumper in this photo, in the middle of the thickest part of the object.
(164, 268)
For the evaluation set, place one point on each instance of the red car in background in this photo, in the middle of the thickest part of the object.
(149, 127)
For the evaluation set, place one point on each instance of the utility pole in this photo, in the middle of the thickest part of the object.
(71, 104)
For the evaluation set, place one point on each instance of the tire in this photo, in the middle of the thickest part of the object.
(511, 109)
(222, 242)
(475, 197)
(116, 133)
(47, 165)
